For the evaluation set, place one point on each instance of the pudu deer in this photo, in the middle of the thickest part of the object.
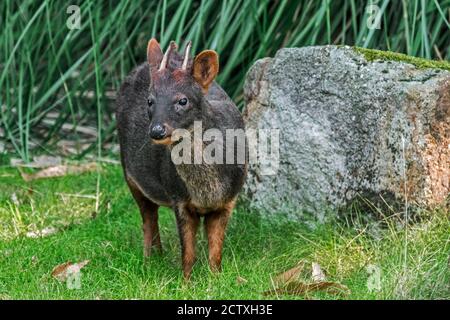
(169, 92)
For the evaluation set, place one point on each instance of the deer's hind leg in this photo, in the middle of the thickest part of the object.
(149, 213)
(215, 226)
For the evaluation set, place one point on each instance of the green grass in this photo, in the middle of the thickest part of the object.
(46, 68)
(256, 248)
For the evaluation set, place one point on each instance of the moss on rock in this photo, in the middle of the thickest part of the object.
(371, 55)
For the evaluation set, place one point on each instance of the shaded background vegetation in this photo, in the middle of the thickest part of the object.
(58, 83)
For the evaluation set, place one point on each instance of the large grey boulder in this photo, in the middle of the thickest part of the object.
(349, 128)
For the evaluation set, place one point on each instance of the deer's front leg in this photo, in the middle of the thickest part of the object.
(215, 226)
(187, 222)
(149, 213)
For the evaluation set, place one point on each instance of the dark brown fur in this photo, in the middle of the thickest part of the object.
(192, 190)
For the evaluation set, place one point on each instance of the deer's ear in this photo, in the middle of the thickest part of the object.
(154, 53)
(205, 68)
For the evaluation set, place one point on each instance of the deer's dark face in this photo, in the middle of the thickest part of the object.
(177, 90)
(174, 102)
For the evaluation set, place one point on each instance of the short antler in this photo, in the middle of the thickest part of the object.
(172, 46)
(187, 52)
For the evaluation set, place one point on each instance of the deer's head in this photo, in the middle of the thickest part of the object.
(178, 85)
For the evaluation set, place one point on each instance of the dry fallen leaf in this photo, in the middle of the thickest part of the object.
(69, 147)
(42, 233)
(38, 162)
(46, 161)
(290, 275)
(59, 171)
(87, 130)
(289, 282)
(317, 273)
(14, 162)
(6, 252)
(14, 199)
(63, 271)
(60, 271)
(301, 288)
(241, 280)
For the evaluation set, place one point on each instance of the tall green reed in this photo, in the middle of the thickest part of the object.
(46, 68)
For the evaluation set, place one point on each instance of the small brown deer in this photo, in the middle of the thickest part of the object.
(168, 92)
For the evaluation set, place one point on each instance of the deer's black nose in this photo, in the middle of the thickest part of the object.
(158, 131)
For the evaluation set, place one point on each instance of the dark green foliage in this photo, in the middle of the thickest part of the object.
(46, 67)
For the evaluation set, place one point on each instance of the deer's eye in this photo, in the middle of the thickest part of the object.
(182, 102)
(150, 107)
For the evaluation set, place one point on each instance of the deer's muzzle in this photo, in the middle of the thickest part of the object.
(158, 131)
(161, 133)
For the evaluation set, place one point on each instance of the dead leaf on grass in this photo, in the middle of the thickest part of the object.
(42, 233)
(60, 171)
(46, 161)
(38, 162)
(290, 275)
(317, 273)
(6, 252)
(15, 162)
(15, 199)
(63, 271)
(289, 282)
(241, 280)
